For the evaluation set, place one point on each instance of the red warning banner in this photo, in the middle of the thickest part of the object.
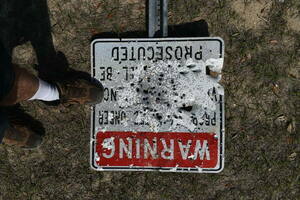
(162, 149)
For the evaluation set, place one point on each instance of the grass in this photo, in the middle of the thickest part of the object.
(257, 164)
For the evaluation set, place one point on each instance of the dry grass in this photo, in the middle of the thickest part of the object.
(261, 78)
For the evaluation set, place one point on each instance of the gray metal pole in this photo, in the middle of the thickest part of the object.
(158, 17)
(164, 18)
(152, 18)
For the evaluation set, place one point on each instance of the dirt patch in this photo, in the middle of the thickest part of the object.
(293, 20)
(24, 54)
(252, 13)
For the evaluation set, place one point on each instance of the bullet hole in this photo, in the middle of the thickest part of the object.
(164, 88)
(145, 108)
(126, 99)
(158, 116)
(207, 70)
(191, 66)
(187, 108)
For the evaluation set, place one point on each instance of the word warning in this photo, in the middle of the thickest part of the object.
(161, 111)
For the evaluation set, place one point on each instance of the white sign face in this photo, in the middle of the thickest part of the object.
(161, 109)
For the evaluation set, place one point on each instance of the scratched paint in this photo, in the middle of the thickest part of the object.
(171, 92)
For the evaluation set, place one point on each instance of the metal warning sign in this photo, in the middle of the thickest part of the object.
(163, 106)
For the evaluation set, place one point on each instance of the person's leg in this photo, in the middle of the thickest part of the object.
(3, 125)
(7, 77)
(12, 132)
(23, 88)
(26, 86)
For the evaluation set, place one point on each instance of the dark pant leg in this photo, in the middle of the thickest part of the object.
(3, 124)
(6, 82)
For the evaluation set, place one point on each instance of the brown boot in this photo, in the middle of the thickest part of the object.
(24, 87)
(21, 136)
(80, 92)
(23, 129)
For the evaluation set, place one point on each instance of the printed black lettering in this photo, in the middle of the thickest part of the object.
(207, 119)
(100, 118)
(109, 73)
(102, 74)
(213, 120)
(141, 53)
(188, 52)
(198, 55)
(105, 121)
(106, 73)
(115, 53)
(110, 94)
(128, 73)
(132, 57)
(169, 55)
(159, 53)
(113, 117)
(178, 53)
(195, 121)
(124, 54)
(152, 51)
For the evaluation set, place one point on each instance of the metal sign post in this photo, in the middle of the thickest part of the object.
(157, 18)
(162, 111)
